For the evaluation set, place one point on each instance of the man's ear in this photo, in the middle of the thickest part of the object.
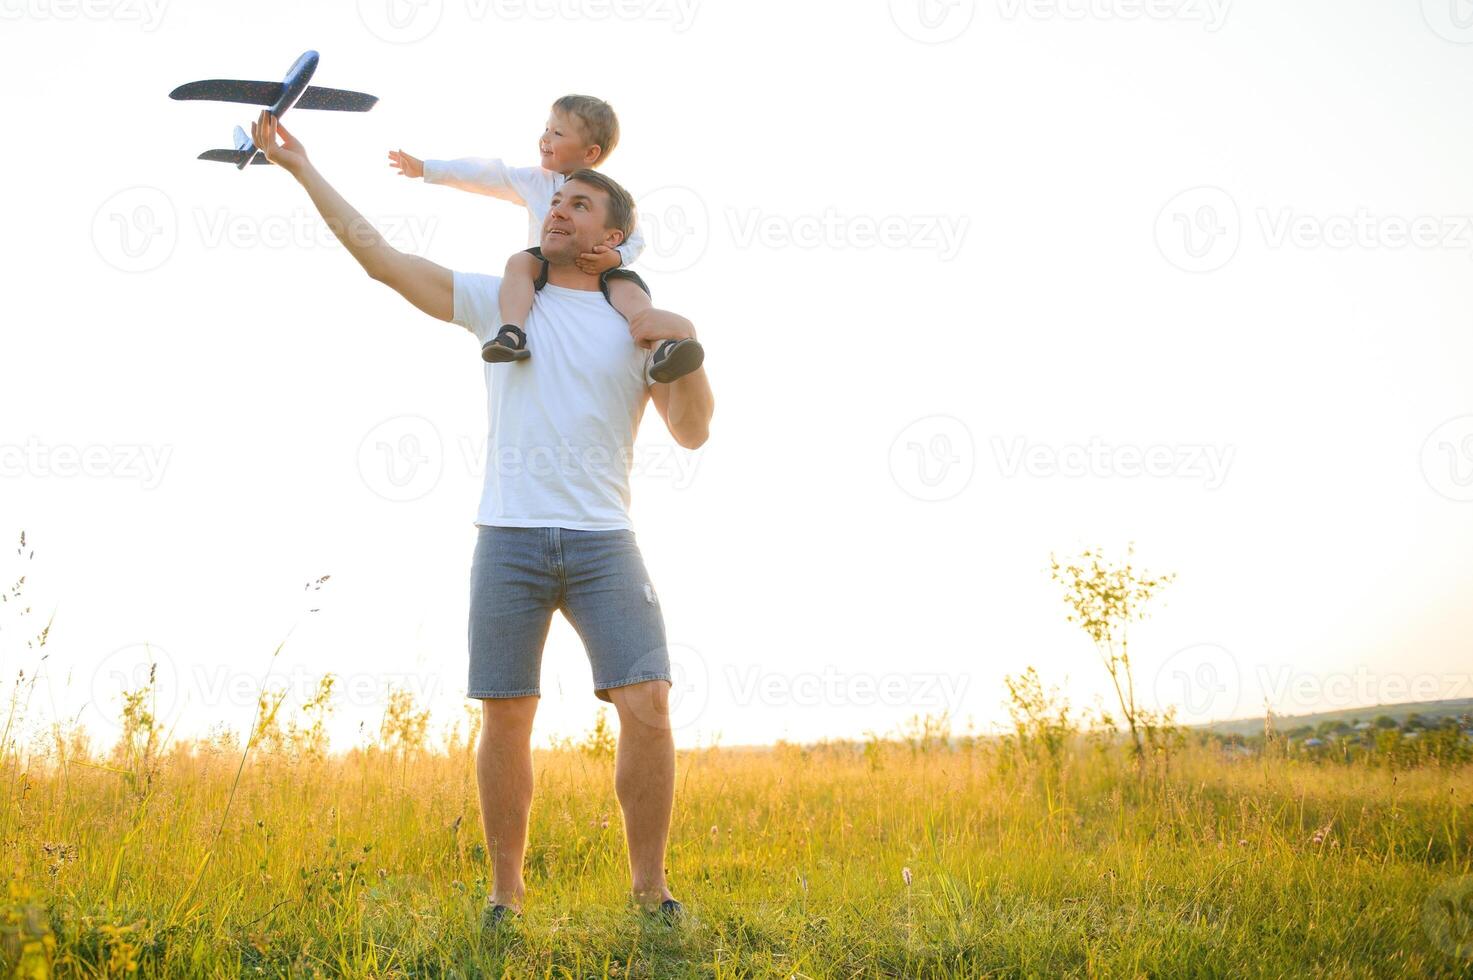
(613, 237)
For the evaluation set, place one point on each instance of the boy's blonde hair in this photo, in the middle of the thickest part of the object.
(597, 120)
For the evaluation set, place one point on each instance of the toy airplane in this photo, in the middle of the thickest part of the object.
(279, 96)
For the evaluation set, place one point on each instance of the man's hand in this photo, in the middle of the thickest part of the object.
(407, 165)
(428, 286)
(288, 154)
(599, 261)
(652, 325)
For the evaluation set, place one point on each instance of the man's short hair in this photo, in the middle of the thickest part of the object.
(621, 204)
(596, 118)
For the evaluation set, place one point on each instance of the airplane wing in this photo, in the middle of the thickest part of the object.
(265, 93)
(337, 99)
(229, 90)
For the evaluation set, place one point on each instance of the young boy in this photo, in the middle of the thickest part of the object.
(581, 131)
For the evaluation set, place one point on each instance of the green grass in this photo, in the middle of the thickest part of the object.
(790, 862)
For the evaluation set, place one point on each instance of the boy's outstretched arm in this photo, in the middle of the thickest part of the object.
(408, 166)
(492, 177)
(428, 286)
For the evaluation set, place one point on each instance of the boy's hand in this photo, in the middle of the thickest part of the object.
(407, 165)
(289, 154)
(599, 261)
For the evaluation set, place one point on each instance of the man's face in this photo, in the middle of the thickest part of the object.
(575, 223)
(562, 146)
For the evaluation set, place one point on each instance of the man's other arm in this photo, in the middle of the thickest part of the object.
(428, 286)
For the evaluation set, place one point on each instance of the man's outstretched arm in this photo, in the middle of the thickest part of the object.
(687, 403)
(428, 286)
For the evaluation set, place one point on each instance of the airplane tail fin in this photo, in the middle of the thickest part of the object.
(242, 156)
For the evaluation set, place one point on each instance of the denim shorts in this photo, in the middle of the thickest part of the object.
(520, 575)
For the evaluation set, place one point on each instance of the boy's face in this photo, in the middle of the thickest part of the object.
(575, 223)
(563, 145)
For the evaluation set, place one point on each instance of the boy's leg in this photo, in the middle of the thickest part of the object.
(628, 299)
(669, 359)
(515, 301)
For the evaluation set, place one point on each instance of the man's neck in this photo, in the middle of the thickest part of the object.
(570, 277)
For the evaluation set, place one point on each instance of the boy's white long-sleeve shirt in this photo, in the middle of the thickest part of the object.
(531, 187)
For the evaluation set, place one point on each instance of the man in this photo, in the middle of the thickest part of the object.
(553, 536)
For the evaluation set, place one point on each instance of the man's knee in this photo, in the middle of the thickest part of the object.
(508, 717)
(645, 704)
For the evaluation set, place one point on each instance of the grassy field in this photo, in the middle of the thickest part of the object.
(954, 857)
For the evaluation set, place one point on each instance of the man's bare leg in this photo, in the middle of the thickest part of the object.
(644, 778)
(504, 777)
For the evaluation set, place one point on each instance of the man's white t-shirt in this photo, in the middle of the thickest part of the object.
(561, 423)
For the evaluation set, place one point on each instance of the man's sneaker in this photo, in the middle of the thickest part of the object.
(674, 359)
(669, 911)
(509, 344)
(496, 916)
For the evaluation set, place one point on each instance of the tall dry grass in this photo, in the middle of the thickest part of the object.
(922, 854)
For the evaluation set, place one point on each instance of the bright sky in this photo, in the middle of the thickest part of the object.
(978, 280)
